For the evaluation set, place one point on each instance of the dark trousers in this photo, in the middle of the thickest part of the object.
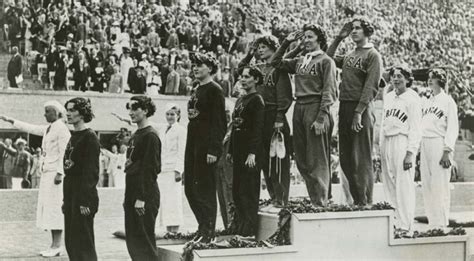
(224, 176)
(246, 191)
(355, 152)
(12, 82)
(5, 182)
(278, 180)
(140, 230)
(313, 152)
(79, 234)
(200, 185)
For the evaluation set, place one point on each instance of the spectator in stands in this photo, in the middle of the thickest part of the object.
(99, 78)
(115, 82)
(172, 82)
(21, 165)
(60, 69)
(8, 161)
(81, 73)
(14, 68)
(155, 83)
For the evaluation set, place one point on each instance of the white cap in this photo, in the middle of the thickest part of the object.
(20, 140)
(58, 107)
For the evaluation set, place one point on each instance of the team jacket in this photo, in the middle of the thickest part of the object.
(315, 76)
(276, 87)
(440, 119)
(402, 116)
(361, 74)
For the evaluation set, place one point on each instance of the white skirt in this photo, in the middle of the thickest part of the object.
(118, 178)
(50, 199)
(171, 200)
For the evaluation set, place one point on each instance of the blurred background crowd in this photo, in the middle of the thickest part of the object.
(145, 46)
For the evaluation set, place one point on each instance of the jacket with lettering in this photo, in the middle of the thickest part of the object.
(440, 119)
(402, 116)
(361, 74)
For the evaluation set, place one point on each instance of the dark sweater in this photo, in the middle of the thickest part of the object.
(361, 74)
(276, 88)
(314, 81)
(81, 169)
(143, 164)
(209, 123)
(248, 118)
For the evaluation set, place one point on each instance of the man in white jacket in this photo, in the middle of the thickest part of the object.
(50, 197)
(440, 131)
(399, 143)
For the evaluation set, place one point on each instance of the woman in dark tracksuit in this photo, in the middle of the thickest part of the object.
(206, 130)
(315, 89)
(276, 93)
(81, 169)
(142, 195)
(246, 151)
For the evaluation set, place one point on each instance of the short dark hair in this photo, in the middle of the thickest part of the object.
(269, 40)
(255, 72)
(366, 26)
(143, 102)
(406, 72)
(439, 75)
(83, 106)
(209, 61)
(322, 37)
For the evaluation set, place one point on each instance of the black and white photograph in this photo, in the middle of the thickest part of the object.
(236, 130)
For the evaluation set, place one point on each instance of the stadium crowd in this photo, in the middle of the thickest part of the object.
(145, 48)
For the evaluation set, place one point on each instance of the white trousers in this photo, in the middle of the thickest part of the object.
(399, 185)
(435, 182)
(16, 183)
(171, 200)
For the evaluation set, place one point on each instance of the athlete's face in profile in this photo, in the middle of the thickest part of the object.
(310, 41)
(398, 80)
(248, 81)
(136, 113)
(201, 71)
(264, 51)
(357, 33)
(433, 82)
(72, 114)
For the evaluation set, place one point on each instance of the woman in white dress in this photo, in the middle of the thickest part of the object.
(50, 197)
(173, 139)
(119, 172)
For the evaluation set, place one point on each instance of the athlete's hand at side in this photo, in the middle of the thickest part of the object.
(357, 122)
(408, 161)
(445, 162)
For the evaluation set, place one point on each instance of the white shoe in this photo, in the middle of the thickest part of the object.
(280, 146)
(45, 251)
(52, 252)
